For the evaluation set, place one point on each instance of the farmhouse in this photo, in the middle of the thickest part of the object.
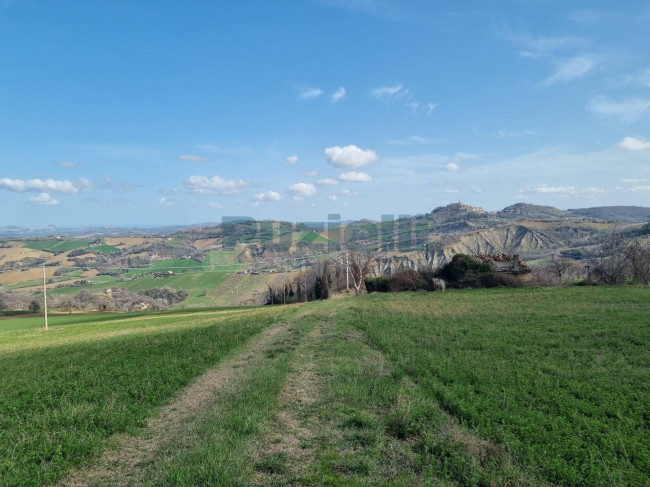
(509, 264)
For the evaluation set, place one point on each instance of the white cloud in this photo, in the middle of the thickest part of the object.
(164, 202)
(632, 143)
(269, 196)
(215, 184)
(44, 199)
(327, 182)
(214, 204)
(349, 193)
(338, 95)
(634, 181)
(534, 47)
(291, 160)
(311, 174)
(68, 164)
(628, 110)
(476, 189)
(570, 69)
(193, 158)
(544, 189)
(591, 191)
(302, 189)
(349, 156)
(332, 197)
(355, 177)
(451, 191)
(48, 185)
(385, 93)
(640, 189)
(310, 93)
(594, 191)
(452, 167)
(430, 108)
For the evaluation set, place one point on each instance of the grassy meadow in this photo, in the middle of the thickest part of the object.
(466, 388)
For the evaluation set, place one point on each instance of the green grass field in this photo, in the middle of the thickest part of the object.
(195, 283)
(466, 388)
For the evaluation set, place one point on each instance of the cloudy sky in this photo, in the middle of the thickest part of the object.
(165, 112)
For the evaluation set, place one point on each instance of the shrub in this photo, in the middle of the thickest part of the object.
(407, 280)
(377, 284)
(462, 268)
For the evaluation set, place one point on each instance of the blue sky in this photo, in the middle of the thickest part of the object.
(161, 112)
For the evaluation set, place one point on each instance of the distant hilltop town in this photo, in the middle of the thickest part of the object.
(460, 206)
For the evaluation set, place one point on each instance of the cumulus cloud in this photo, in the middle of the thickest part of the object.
(628, 110)
(291, 160)
(215, 184)
(193, 158)
(68, 164)
(338, 95)
(310, 93)
(355, 177)
(452, 167)
(634, 144)
(46, 185)
(349, 193)
(214, 204)
(269, 196)
(302, 189)
(332, 197)
(640, 189)
(327, 182)
(349, 156)
(44, 199)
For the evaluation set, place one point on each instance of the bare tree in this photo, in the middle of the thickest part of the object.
(638, 253)
(359, 268)
(612, 259)
(559, 265)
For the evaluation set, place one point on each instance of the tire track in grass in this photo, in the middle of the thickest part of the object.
(287, 450)
(127, 457)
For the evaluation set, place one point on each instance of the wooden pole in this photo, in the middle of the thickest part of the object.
(44, 297)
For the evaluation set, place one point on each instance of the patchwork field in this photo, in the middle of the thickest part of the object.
(468, 388)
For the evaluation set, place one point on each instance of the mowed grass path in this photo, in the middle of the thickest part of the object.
(473, 388)
(61, 396)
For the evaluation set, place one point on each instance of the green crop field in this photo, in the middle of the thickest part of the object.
(509, 387)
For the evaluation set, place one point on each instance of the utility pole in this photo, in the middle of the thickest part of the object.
(44, 296)
(347, 272)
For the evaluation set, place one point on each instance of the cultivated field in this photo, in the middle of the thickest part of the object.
(467, 388)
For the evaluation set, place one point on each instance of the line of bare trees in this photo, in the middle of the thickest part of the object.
(617, 260)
